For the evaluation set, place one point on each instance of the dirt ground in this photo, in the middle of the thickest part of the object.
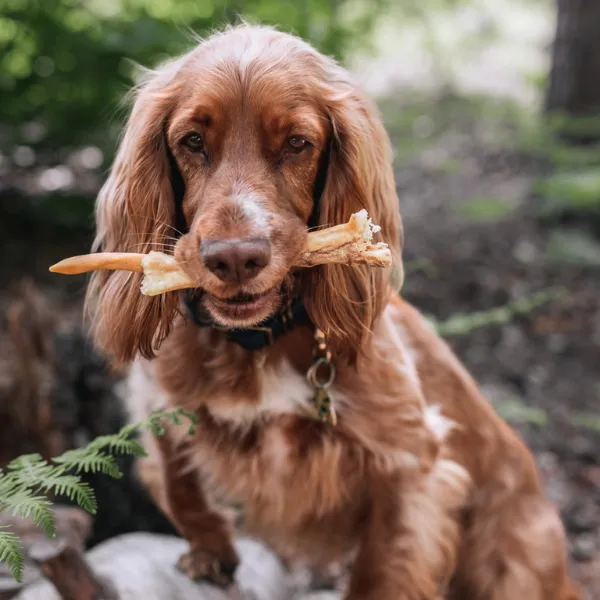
(541, 370)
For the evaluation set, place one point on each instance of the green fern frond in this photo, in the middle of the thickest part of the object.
(155, 426)
(23, 503)
(132, 447)
(11, 554)
(27, 478)
(89, 460)
(26, 462)
(120, 444)
(43, 517)
(30, 469)
(73, 488)
(7, 486)
(128, 430)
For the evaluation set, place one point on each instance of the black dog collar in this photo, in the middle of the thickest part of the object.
(252, 338)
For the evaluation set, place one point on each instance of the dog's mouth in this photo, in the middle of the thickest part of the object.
(243, 309)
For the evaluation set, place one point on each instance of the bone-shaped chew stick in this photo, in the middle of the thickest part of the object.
(349, 243)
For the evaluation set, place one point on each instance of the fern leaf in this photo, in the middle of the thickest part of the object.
(11, 554)
(7, 486)
(129, 430)
(102, 442)
(119, 444)
(83, 460)
(30, 469)
(71, 458)
(85, 497)
(23, 503)
(25, 461)
(72, 487)
(189, 415)
(132, 447)
(27, 477)
(155, 427)
(43, 517)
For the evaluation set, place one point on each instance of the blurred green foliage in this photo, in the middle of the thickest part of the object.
(578, 190)
(483, 209)
(571, 183)
(516, 410)
(572, 247)
(463, 324)
(65, 64)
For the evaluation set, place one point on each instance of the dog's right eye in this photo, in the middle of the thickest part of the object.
(194, 142)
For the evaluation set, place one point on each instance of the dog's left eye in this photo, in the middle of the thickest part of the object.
(297, 143)
(194, 142)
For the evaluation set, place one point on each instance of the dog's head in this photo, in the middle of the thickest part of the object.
(229, 154)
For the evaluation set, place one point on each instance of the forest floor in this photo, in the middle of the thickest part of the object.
(471, 244)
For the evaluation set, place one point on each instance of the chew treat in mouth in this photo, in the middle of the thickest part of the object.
(161, 271)
(350, 243)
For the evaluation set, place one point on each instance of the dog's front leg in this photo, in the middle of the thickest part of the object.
(212, 555)
(408, 549)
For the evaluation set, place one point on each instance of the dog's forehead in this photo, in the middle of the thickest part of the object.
(227, 80)
(273, 98)
(252, 63)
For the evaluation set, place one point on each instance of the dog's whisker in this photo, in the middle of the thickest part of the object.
(154, 238)
(155, 244)
(166, 238)
(318, 227)
(159, 221)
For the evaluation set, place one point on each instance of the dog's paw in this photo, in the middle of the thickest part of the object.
(203, 565)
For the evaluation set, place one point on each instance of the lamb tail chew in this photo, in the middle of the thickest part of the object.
(161, 271)
(349, 244)
(111, 261)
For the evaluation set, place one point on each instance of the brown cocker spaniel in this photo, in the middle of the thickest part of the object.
(327, 407)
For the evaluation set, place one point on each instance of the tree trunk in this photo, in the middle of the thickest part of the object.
(575, 75)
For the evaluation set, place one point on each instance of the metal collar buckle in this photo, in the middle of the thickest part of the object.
(321, 376)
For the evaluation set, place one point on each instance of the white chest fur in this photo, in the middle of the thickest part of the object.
(282, 391)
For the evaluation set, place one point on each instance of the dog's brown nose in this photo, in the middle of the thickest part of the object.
(237, 260)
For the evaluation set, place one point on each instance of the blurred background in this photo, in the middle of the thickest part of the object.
(493, 107)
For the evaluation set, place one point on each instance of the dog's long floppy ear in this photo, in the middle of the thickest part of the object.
(135, 212)
(345, 301)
